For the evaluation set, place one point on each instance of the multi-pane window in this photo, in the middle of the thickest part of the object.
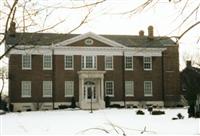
(147, 63)
(26, 89)
(68, 62)
(108, 62)
(47, 88)
(26, 61)
(47, 62)
(129, 88)
(88, 62)
(69, 88)
(128, 62)
(109, 88)
(148, 91)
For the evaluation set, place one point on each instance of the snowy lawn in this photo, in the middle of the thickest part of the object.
(101, 122)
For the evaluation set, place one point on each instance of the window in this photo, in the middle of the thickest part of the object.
(147, 88)
(147, 63)
(26, 88)
(129, 63)
(129, 88)
(26, 61)
(47, 88)
(68, 62)
(47, 62)
(108, 62)
(109, 88)
(88, 62)
(69, 88)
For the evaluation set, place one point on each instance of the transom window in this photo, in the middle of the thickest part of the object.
(47, 88)
(26, 61)
(69, 88)
(147, 63)
(128, 62)
(129, 88)
(108, 62)
(47, 62)
(88, 62)
(68, 62)
(109, 88)
(26, 89)
(148, 88)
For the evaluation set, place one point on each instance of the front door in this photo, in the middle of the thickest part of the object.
(89, 91)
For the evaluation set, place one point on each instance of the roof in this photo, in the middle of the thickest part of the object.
(49, 38)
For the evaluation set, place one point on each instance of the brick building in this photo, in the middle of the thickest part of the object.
(131, 70)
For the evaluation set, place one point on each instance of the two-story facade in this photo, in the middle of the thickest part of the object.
(49, 69)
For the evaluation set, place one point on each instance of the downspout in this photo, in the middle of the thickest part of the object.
(163, 77)
(53, 77)
(123, 79)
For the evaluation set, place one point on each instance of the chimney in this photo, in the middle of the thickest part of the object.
(188, 63)
(141, 33)
(150, 32)
(12, 29)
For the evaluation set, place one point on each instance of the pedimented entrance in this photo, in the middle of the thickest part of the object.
(91, 89)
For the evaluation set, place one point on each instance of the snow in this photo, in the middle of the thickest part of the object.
(100, 122)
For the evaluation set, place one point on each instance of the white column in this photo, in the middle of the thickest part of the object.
(102, 88)
(82, 89)
(98, 89)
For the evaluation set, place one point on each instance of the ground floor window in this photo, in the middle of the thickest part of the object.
(47, 88)
(69, 88)
(129, 88)
(109, 88)
(148, 91)
(26, 88)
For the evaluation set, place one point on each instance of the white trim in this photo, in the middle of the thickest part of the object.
(90, 35)
(148, 95)
(105, 62)
(22, 61)
(43, 62)
(113, 89)
(72, 68)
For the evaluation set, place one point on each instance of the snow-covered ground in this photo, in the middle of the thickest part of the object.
(101, 122)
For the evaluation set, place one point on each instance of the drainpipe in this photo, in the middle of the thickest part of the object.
(123, 79)
(53, 77)
(163, 81)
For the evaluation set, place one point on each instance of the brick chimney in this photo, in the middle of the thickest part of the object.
(188, 63)
(150, 32)
(141, 33)
(12, 29)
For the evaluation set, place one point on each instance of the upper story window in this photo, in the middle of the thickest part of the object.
(147, 63)
(26, 89)
(26, 62)
(47, 62)
(88, 62)
(47, 88)
(128, 62)
(109, 88)
(129, 88)
(69, 62)
(148, 91)
(108, 62)
(69, 88)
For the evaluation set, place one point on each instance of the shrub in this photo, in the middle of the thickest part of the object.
(135, 106)
(19, 111)
(115, 106)
(107, 101)
(139, 112)
(174, 118)
(73, 102)
(28, 110)
(197, 115)
(11, 107)
(180, 116)
(62, 106)
(158, 112)
(179, 106)
(150, 109)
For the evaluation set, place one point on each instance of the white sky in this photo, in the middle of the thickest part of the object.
(105, 20)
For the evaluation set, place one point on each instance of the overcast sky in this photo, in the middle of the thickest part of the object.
(106, 19)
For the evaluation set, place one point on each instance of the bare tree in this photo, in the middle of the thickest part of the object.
(3, 77)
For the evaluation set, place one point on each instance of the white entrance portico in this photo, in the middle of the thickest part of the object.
(91, 89)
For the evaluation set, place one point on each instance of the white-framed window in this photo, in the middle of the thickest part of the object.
(88, 62)
(26, 89)
(26, 62)
(109, 88)
(69, 62)
(129, 88)
(128, 62)
(47, 62)
(108, 62)
(147, 63)
(69, 88)
(148, 88)
(47, 88)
